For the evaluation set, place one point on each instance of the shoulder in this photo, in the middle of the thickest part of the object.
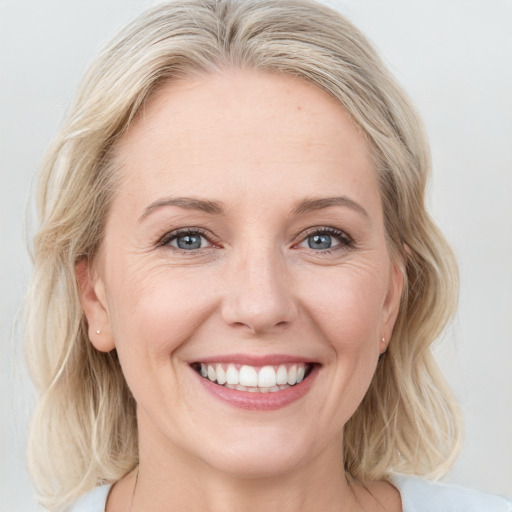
(420, 495)
(93, 501)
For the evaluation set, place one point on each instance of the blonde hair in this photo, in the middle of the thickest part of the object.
(84, 430)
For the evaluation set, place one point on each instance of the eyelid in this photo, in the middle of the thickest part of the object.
(169, 236)
(346, 241)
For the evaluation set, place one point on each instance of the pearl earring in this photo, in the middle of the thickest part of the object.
(98, 331)
(383, 340)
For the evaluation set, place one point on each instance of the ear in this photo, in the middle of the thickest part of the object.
(93, 298)
(391, 305)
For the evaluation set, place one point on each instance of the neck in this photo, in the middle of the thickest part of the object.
(301, 490)
(172, 480)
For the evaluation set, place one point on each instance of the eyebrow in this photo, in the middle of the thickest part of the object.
(189, 203)
(312, 204)
(216, 207)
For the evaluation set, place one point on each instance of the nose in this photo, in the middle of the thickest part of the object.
(259, 294)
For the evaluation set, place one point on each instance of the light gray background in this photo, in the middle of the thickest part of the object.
(454, 57)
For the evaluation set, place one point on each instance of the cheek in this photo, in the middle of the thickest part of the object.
(347, 306)
(158, 309)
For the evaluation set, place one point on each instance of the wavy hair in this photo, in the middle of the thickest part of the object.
(84, 429)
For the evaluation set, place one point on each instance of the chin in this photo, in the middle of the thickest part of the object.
(250, 449)
(259, 460)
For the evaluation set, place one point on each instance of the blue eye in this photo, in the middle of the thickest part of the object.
(320, 241)
(186, 240)
(326, 239)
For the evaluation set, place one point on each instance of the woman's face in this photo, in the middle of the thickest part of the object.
(246, 240)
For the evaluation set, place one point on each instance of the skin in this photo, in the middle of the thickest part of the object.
(258, 145)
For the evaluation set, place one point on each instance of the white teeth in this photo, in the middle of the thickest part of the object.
(248, 376)
(267, 377)
(282, 375)
(292, 375)
(221, 374)
(232, 375)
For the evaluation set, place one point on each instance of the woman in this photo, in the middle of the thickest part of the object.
(236, 282)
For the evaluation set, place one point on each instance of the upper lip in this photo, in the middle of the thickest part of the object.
(254, 360)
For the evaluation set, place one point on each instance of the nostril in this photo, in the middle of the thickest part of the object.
(261, 303)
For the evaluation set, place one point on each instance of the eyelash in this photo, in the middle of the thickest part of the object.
(345, 241)
(173, 235)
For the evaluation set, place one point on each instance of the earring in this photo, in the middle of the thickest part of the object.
(98, 331)
(383, 340)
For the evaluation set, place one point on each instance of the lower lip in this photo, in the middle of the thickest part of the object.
(260, 401)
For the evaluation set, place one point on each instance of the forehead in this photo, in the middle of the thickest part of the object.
(245, 130)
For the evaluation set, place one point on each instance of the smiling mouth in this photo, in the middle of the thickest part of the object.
(254, 379)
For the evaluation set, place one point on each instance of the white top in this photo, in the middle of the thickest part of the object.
(420, 495)
(417, 496)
